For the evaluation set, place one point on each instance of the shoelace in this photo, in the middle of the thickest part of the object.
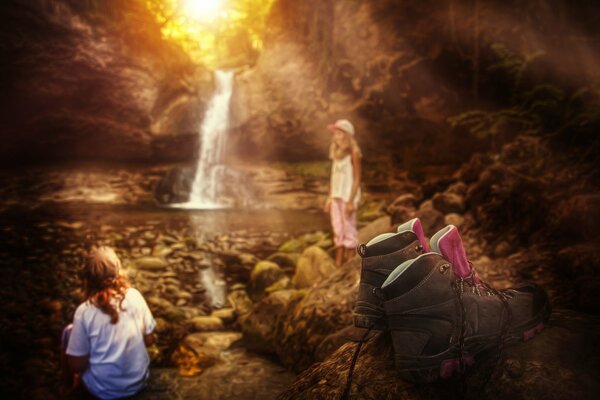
(346, 393)
(459, 286)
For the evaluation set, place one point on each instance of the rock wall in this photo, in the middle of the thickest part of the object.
(380, 65)
(399, 70)
(94, 80)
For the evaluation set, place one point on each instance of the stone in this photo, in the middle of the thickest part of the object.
(454, 219)
(291, 246)
(226, 314)
(314, 265)
(206, 323)
(282, 284)
(239, 301)
(546, 366)
(150, 263)
(316, 313)
(261, 324)
(264, 274)
(447, 202)
(406, 200)
(285, 260)
(502, 249)
(431, 219)
(211, 344)
(371, 211)
(379, 226)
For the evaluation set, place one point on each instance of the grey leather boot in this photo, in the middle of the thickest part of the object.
(379, 258)
(439, 321)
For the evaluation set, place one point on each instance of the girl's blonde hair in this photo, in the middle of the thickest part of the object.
(103, 281)
(350, 146)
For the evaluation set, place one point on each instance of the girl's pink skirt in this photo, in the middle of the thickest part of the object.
(344, 225)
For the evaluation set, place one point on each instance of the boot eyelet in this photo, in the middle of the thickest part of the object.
(419, 248)
(444, 268)
(361, 250)
(377, 293)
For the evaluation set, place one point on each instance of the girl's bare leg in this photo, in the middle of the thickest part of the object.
(339, 256)
(350, 253)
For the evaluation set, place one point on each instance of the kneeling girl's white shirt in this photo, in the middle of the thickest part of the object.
(118, 360)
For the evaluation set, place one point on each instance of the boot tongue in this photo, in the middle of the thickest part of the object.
(449, 244)
(414, 225)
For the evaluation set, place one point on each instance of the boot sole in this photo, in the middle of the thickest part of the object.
(447, 363)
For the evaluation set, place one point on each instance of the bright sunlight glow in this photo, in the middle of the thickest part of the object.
(202, 9)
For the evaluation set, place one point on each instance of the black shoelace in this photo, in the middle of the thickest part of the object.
(346, 393)
(477, 286)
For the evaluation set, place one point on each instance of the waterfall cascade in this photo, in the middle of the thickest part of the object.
(210, 171)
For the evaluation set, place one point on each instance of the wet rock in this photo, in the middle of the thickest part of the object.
(324, 309)
(209, 345)
(239, 301)
(262, 324)
(314, 265)
(502, 249)
(402, 214)
(206, 323)
(282, 284)
(263, 275)
(454, 219)
(581, 259)
(406, 200)
(539, 367)
(287, 261)
(448, 202)
(226, 314)
(371, 211)
(292, 246)
(150, 263)
(432, 219)
(380, 225)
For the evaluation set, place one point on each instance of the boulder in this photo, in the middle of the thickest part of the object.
(263, 275)
(314, 265)
(239, 301)
(454, 219)
(286, 261)
(379, 226)
(150, 263)
(199, 351)
(206, 324)
(261, 325)
(325, 309)
(547, 366)
(448, 202)
(432, 219)
(227, 315)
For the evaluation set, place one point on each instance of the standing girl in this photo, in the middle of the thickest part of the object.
(344, 191)
(106, 344)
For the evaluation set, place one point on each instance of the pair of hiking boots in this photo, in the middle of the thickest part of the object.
(440, 314)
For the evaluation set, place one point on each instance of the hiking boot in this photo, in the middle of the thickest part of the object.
(440, 321)
(379, 258)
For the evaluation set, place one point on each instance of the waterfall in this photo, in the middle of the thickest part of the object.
(210, 172)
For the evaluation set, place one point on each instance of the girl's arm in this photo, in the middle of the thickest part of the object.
(78, 364)
(356, 170)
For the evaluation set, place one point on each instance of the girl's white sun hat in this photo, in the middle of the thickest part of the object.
(343, 125)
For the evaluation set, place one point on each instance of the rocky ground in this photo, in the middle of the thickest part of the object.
(244, 300)
(193, 268)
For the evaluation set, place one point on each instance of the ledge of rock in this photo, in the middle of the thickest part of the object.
(549, 366)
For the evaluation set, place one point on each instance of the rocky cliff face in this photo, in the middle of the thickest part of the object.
(399, 70)
(382, 65)
(94, 80)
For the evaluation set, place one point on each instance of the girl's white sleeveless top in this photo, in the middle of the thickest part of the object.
(342, 177)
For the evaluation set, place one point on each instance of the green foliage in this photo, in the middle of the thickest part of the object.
(539, 109)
